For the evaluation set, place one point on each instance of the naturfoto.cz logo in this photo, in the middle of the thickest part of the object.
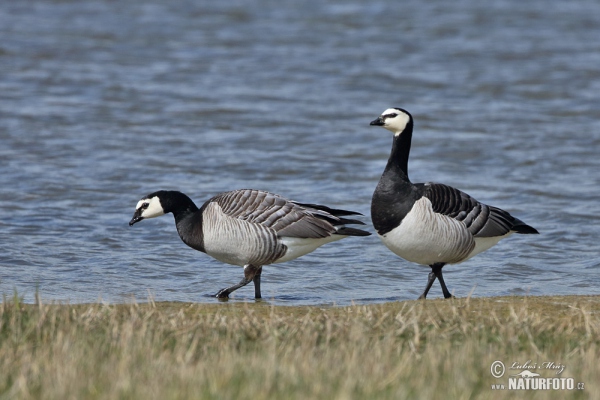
(528, 379)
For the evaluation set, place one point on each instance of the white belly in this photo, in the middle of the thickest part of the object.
(297, 247)
(425, 237)
(482, 244)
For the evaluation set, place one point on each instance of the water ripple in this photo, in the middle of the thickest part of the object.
(103, 102)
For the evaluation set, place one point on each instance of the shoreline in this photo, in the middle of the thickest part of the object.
(434, 349)
(266, 302)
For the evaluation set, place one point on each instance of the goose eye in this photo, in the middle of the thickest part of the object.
(144, 206)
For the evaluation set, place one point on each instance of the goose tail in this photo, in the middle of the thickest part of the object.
(521, 227)
(333, 211)
(347, 231)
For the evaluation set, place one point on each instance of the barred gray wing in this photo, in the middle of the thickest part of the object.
(481, 220)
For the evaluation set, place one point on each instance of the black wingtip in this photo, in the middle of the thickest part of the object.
(344, 230)
(348, 221)
(333, 211)
(525, 229)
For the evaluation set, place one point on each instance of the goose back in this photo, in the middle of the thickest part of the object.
(249, 226)
(238, 241)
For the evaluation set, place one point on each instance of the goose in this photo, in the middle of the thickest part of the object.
(430, 223)
(249, 228)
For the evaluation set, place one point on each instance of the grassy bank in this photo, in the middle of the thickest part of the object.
(434, 349)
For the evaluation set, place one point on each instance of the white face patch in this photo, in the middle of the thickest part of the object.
(151, 207)
(395, 120)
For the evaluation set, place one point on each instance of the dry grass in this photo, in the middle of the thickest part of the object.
(433, 349)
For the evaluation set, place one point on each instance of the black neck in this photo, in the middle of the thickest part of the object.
(188, 219)
(395, 194)
(397, 164)
(179, 204)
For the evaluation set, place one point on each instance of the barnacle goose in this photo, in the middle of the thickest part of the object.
(249, 228)
(430, 223)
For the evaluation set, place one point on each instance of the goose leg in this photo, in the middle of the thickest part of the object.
(430, 281)
(437, 270)
(249, 274)
(256, 280)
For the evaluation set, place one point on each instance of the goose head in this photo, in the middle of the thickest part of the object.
(148, 207)
(394, 120)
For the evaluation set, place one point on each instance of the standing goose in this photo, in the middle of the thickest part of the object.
(250, 228)
(430, 223)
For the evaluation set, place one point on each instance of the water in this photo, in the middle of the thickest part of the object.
(102, 102)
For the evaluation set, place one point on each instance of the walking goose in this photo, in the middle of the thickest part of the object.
(430, 223)
(250, 228)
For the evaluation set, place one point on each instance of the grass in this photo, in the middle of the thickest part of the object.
(434, 349)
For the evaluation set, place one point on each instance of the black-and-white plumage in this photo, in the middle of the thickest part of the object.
(250, 228)
(430, 223)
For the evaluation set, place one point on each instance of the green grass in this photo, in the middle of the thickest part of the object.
(433, 349)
